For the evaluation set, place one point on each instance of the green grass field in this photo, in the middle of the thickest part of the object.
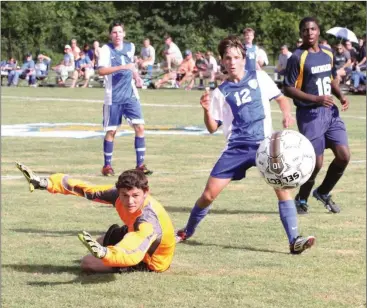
(239, 256)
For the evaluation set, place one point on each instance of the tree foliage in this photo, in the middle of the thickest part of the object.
(197, 25)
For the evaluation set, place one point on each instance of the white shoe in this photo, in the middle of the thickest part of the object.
(301, 244)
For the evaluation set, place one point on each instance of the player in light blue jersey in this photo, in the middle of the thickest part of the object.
(241, 106)
(121, 96)
(255, 58)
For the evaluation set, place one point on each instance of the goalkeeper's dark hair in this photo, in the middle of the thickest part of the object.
(130, 179)
(231, 41)
(308, 19)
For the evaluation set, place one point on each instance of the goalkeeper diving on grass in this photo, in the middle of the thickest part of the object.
(147, 239)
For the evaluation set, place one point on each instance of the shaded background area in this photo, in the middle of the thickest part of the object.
(45, 27)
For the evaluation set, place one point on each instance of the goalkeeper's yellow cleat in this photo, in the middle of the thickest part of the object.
(34, 181)
(92, 245)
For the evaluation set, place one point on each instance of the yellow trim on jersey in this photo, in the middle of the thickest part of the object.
(302, 61)
(330, 54)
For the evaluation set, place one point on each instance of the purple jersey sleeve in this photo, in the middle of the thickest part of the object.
(333, 69)
(292, 71)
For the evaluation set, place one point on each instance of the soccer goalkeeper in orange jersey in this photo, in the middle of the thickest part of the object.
(145, 242)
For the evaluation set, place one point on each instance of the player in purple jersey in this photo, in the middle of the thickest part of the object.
(241, 106)
(310, 79)
(121, 98)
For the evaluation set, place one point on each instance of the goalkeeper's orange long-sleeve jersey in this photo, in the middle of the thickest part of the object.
(151, 236)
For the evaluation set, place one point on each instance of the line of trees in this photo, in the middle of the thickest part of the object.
(47, 26)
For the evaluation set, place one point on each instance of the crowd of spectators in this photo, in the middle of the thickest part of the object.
(178, 70)
(76, 64)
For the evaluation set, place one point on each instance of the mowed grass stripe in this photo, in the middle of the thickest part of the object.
(171, 105)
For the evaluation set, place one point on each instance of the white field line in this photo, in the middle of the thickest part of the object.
(89, 101)
(146, 105)
(17, 177)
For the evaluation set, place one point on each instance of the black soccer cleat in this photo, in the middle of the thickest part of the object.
(301, 205)
(326, 200)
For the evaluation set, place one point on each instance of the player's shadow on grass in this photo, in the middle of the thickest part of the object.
(48, 172)
(82, 279)
(196, 243)
(44, 268)
(54, 233)
(173, 209)
(59, 269)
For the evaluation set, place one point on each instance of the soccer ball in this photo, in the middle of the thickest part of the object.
(286, 159)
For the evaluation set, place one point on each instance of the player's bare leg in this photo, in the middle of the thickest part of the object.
(169, 61)
(75, 78)
(87, 75)
(91, 264)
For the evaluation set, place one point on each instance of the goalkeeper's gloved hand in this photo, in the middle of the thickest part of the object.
(93, 246)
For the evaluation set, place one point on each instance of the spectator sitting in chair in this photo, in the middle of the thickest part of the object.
(27, 72)
(184, 72)
(147, 55)
(348, 47)
(212, 68)
(67, 65)
(84, 69)
(200, 70)
(342, 61)
(9, 68)
(8, 65)
(172, 54)
(87, 51)
(96, 53)
(284, 55)
(362, 55)
(75, 49)
(357, 78)
(42, 66)
(205, 67)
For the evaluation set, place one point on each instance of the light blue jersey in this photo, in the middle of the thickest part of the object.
(251, 55)
(119, 86)
(243, 108)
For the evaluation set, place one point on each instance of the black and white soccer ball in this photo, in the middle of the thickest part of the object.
(286, 159)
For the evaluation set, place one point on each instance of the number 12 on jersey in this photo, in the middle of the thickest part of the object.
(245, 97)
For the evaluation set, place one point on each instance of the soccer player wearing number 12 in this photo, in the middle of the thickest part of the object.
(310, 79)
(241, 106)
